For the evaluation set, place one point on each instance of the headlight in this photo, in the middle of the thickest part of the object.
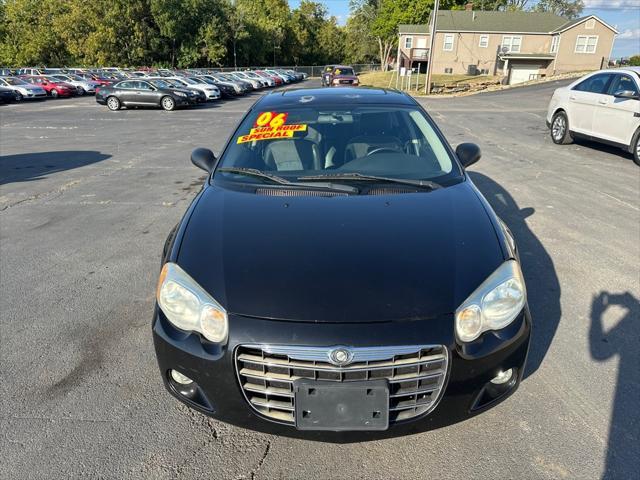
(180, 94)
(188, 307)
(494, 304)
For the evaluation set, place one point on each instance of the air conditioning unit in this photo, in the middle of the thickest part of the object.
(448, 70)
(472, 70)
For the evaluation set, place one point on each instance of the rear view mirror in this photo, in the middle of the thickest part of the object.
(468, 153)
(626, 94)
(203, 158)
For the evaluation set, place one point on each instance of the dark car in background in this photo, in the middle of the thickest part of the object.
(340, 271)
(195, 96)
(7, 95)
(140, 93)
(342, 75)
(325, 78)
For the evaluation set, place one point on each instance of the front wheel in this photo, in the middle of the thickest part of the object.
(168, 103)
(113, 103)
(636, 149)
(81, 91)
(18, 97)
(54, 93)
(560, 129)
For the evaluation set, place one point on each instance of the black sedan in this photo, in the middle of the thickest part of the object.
(141, 93)
(7, 95)
(339, 271)
(195, 96)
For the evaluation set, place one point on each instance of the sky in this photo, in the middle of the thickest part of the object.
(624, 15)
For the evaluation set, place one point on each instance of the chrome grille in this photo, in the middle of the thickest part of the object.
(416, 375)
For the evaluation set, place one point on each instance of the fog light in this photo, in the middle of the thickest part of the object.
(182, 379)
(502, 377)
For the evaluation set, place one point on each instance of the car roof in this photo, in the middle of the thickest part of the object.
(632, 69)
(335, 95)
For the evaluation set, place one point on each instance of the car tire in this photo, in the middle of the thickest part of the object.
(54, 93)
(560, 129)
(636, 148)
(167, 103)
(113, 103)
(18, 96)
(81, 91)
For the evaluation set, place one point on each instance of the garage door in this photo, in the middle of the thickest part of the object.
(522, 72)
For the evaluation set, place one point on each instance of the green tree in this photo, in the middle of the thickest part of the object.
(192, 30)
(332, 41)
(564, 8)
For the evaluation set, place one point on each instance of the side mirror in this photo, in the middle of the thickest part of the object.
(203, 158)
(468, 154)
(626, 94)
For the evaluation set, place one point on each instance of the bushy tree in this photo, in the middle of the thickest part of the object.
(564, 8)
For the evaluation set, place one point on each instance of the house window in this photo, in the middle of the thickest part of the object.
(555, 41)
(408, 42)
(448, 42)
(590, 25)
(512, 44)
(484, 41)
(586, 43)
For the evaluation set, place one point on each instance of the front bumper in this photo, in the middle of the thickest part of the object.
(467, 390)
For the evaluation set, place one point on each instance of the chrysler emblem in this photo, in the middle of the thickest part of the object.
(340, 356)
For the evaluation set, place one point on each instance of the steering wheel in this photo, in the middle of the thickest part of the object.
(382, 149)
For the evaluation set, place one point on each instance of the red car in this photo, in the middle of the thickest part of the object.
(54, 87)
(278, 80)
(104, 82)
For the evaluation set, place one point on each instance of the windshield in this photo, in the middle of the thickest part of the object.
(60, 77)
(343, 71)
(207, 80)
(188, 80)
(15, 81)
(390, 141)
(160, 83)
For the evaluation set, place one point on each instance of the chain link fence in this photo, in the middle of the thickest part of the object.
(310, 70)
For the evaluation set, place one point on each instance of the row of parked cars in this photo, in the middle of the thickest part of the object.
(117, 88)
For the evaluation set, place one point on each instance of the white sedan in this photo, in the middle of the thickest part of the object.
(82, 84)
(603, 106)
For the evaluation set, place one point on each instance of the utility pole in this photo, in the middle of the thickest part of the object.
(434, 16)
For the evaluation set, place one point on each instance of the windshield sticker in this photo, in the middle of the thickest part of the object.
(271, 125)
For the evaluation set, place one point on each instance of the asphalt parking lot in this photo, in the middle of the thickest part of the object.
(87, 198)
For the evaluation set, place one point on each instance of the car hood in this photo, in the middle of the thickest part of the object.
(341, 259)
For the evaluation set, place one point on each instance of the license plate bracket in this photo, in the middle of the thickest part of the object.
(341, 406)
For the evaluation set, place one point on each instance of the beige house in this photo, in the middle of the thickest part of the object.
(520, 46)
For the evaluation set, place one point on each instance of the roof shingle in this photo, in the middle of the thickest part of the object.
(491, 21)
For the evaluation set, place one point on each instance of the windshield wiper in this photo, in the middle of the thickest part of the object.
(253, 172)
(372, 178)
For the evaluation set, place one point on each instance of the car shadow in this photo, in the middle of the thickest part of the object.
(25, 167)
(620, 339)
(543, 286)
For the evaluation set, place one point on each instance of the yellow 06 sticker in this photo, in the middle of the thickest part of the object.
(271, 125)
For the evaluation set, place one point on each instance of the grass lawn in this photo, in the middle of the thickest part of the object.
(388, 79)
